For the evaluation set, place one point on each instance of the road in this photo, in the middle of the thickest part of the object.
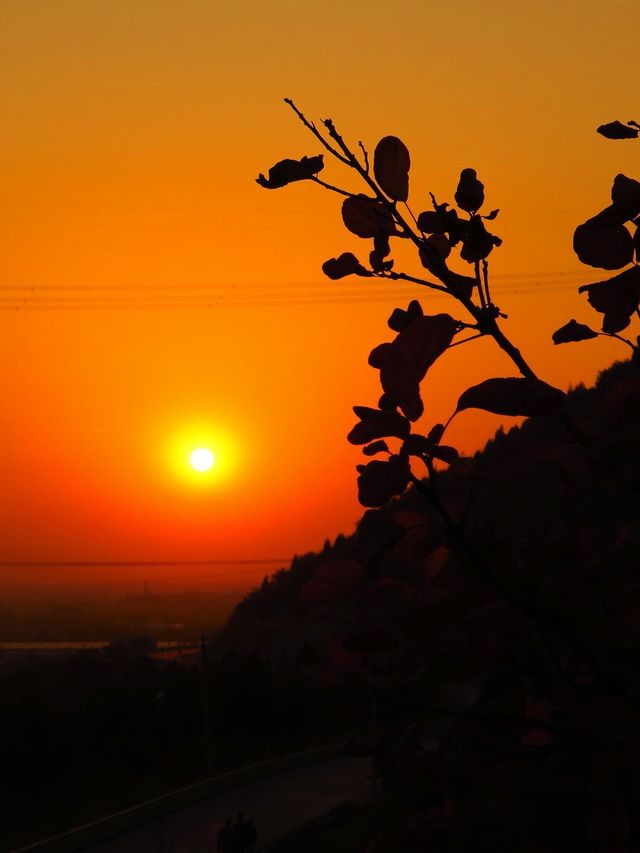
(277, 804)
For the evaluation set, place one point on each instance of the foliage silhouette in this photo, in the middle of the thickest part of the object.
(500, 609)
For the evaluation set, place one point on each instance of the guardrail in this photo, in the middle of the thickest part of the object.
(100, 830)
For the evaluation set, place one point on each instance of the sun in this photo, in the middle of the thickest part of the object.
(202, 459)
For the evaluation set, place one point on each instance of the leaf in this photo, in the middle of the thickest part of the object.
(345, 264)
(376, 447)
(287, 171)
(615, 321)
(378, 482)
(617, 298)
(404, 362)
(608, 247)
(380, 251)
(625, 195)
(417, 445)
(446, 454)
(528, 397)
(435, 561)
(477, 242)
(366, 217)
(470, 192)
(492, 214)
(441, 221)
(440, 244)
(436, 432)
(400, 318)
(573, 331)
(617, 130)
(377, 424)
(391, 163)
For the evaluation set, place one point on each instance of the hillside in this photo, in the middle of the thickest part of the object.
(527, 484)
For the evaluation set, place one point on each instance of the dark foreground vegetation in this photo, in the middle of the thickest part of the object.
(468, 720)
(493, 609)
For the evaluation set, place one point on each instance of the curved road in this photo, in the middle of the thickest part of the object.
(277, 804)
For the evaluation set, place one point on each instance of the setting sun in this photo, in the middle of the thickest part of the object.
(202, 459)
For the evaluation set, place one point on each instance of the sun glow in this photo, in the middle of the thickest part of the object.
(202, 459)
(204, 455)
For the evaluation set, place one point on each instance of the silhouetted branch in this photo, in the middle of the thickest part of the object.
(466, 340)
(366, 157)
(620, 338)
(404, 277)
(331, 187)
(310, 126)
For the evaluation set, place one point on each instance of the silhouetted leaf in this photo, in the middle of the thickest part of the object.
(400, 318)
(366, 217)
(528, 397)
(380, 251)
(377, 424)
(477, 242)
(378, 482)
(391, 162)
(617, 298)
(386, 403)
(599, 246)
(404, 362)
(376, 447)
(435, 561)
(417, 445)
(573, 331)
(470, 192)
(287, 171)
(617, 130)
(445, 454)
(460, 285)
(492, 214)
(344, 264)
(625, 195)
(436, 432)
(440, 244)
(615, 321)
(441, 221)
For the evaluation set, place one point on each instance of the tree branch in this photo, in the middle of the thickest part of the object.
(310, 126)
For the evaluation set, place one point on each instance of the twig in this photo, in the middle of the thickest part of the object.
(404, 277)
(620, 338)
(310, 126)
(366, 157)
(466, 340)
(327, 186)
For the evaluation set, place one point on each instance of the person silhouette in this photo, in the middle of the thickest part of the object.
(251, 836)
(225, 837)
(238, 844)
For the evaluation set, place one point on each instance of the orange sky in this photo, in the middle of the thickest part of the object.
(132, 134)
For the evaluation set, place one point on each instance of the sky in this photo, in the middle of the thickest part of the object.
(153, 298)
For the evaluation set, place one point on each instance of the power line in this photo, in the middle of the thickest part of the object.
(105, 297)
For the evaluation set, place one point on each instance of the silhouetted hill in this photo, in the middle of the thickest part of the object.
(530, 482)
